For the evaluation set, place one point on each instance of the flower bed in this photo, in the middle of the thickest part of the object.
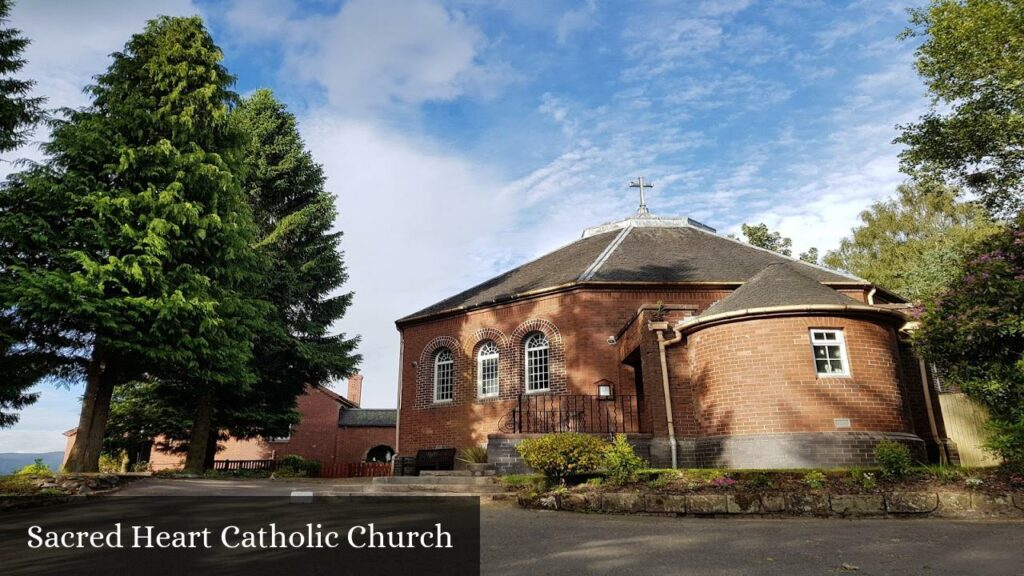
(932, 490)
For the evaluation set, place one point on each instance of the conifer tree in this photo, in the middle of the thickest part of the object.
(133, 241)
(22, 363)
(19, 112)
(302, 270)
(294, 216)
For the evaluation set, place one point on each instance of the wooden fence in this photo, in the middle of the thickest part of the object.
(965, 424)
(355, 470)
(231, 465)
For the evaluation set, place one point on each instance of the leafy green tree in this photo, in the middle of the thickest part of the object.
(19, 112)
(811, 256)
(132, 243)
(972, 60)
(142, 410)
(759, 235)
(914, 243)
(975, 333)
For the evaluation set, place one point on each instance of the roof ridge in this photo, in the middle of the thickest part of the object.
(604, 255)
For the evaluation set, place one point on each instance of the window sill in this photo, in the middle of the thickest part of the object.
(541, 391)
(834, 376)
(449, 401)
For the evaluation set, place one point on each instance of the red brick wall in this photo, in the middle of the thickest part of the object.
(757, 376)
(581, 319)
(316, 437)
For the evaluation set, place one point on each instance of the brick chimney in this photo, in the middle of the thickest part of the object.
(355, 389)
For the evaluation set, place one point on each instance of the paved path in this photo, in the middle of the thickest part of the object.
(519, 542)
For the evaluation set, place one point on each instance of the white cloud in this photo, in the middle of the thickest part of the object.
(576, 20)
(71, 43)
(413, 215)
(376, 54)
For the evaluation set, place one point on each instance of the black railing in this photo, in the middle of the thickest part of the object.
(544, 413)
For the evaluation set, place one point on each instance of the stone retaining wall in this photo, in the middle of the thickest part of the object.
(944, 504)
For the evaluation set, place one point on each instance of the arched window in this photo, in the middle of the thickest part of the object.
(444, 375)
(538, 377)
(382, 453)
(487, 357)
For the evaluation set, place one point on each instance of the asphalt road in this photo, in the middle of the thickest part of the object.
(519, 542)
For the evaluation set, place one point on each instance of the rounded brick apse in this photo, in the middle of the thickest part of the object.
(760, 400)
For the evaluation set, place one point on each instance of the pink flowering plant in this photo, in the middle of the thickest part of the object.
(974, 332)
(723, 482)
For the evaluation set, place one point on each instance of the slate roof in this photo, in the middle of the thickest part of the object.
(779, 284)
(649, 250)
(365, 417)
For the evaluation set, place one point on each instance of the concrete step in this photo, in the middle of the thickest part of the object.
(458, 473)
(439, 480)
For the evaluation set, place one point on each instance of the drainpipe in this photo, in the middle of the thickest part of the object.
(871, 295)
(662, 345)
(943, 457)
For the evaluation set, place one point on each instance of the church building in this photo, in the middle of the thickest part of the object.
(706, 351)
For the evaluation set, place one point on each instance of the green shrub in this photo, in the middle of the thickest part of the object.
(947, 474)
(313, 468)
(1006, 440)
(536, 482)
(473, 455)
(17, 485)
(662, 479)
(815, 479)
(621, 463)
(759, 481)
(893, 458)
(111, 463)
(563, 454)
(37, 468)
(294, 465)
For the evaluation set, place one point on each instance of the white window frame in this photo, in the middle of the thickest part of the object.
(528, 347)
(839, 341)
(488, 352)
(449, 364)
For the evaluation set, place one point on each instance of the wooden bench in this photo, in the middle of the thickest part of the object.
(436, 459)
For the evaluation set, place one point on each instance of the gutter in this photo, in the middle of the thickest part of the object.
(943, 457)
(398, 413)
(664, 343)
(792, 309)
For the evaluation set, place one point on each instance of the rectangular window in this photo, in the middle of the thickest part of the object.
(488, 370)
(537, 370)
(829, 353)
(444, 381)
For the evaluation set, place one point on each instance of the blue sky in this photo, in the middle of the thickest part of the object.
(465, 137)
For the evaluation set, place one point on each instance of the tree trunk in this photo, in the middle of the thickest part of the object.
(211, 449)
(92, 423)
(199, 436)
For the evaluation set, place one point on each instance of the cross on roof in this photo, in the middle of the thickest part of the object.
(639, 183)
